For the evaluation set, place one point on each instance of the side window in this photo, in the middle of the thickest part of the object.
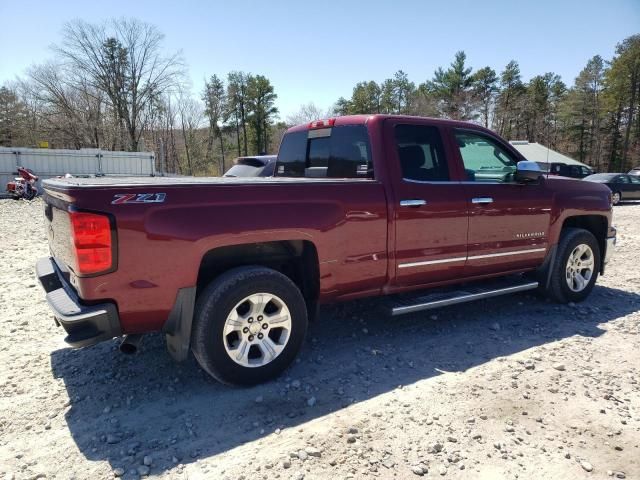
(335, 152)
(634, 179)
(621, 179)
(484, 159)
(292, 155)
(421, 153)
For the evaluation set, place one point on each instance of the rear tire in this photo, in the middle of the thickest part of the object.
(249, 325)
(576, 266)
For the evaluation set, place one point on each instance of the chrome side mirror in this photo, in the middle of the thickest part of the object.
(527, 172)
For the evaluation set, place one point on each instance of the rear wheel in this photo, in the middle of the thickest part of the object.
(249, 324)
(576, 266)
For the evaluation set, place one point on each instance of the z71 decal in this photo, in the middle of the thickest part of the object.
(122, 198)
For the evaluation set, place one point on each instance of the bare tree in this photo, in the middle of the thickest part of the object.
(123, 59)
(308, 113)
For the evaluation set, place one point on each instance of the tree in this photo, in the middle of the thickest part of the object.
(237, 104)
(13, 118)
(261, 107)
(511, 88)
(122, 59)
(485, 87)
(626, 65)
(452, 88)
(214, 99)
(308, 113)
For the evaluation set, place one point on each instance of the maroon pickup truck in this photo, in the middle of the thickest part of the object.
(426, 212)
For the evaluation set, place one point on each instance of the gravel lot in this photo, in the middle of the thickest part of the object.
(515, 387)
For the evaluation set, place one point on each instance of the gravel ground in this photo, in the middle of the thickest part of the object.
(515, 387)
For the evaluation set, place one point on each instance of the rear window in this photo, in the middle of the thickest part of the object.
(336, 152)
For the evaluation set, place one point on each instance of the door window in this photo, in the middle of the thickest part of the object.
(421, 154)
(484, 159)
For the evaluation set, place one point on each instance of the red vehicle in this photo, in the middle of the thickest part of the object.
(361, 206)
(23, 186)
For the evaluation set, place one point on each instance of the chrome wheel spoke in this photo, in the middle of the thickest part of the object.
(242, 352)
(277, 318)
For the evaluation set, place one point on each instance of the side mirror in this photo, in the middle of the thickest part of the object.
(527, 172)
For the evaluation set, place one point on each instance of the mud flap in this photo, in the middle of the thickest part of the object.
(177, 329)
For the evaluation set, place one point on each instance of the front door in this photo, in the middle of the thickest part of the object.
(508, 221)
(430, 210)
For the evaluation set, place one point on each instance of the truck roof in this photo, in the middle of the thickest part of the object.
(364, 119)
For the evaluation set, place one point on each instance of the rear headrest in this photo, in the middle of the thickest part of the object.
(345, 158)
(412, 156)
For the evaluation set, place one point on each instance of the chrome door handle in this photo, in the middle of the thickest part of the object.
(482, 200)
(412, 203)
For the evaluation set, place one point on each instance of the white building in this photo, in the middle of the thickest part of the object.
(542, 155)
(48, 163)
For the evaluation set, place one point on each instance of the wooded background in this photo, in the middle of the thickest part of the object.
(113, 86)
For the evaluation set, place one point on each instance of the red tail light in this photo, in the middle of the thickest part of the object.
(93, 242)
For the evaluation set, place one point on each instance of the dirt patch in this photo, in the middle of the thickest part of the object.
(514, 387)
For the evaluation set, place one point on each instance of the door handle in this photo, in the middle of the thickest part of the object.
(412, 203)
(482, 200)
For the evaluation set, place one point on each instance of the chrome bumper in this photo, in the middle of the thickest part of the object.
(611, 244)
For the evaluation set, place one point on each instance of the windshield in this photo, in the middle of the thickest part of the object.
(601, 177)
(243, 171)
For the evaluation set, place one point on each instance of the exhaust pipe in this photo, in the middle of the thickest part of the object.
(130, 343)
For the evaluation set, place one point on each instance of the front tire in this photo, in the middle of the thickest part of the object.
(249, 325)
(576, 266)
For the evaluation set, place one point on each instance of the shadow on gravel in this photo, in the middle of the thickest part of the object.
(125, 407)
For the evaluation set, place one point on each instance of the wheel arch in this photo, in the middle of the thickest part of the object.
(596, 224)
(297, 259)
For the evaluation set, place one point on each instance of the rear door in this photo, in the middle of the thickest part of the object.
(429, 206)
(508, 221)
(634, 183)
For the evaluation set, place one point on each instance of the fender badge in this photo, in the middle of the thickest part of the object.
(122, 198)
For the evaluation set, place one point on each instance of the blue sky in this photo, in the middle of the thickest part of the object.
(317, 50)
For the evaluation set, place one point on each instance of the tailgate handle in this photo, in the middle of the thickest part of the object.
(412, 203)
(482, 200)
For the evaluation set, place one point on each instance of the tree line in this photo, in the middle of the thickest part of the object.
(596, 120)
(113, 86)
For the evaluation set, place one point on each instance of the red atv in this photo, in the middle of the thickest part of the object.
(23, 186)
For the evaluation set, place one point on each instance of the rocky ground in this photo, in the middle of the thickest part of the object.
(515, 387)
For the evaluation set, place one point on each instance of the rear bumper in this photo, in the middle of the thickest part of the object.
(85, 324)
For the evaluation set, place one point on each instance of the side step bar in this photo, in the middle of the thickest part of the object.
(452, 297)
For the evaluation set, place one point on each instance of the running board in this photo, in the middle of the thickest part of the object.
(439, 299)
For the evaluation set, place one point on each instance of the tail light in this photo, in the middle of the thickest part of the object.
(93, 242)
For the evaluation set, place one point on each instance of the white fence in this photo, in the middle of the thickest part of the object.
(48, 163)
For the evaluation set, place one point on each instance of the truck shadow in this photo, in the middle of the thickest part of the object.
(125, 407)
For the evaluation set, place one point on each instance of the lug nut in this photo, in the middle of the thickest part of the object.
(265, 326)
(251, 338)
(260, 317)
(245, 330)
(250, 320)
(260, 336)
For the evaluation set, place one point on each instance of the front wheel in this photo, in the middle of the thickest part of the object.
(576, 266)
(249, 324)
